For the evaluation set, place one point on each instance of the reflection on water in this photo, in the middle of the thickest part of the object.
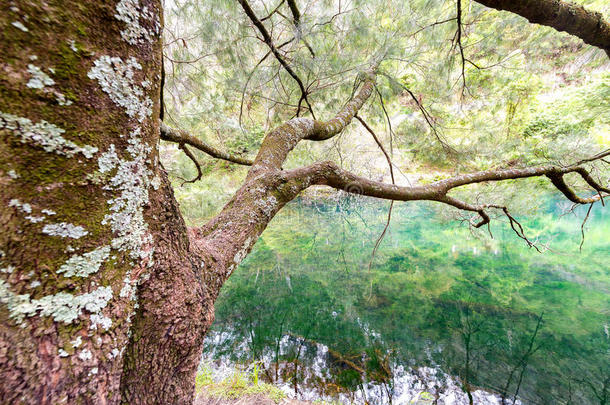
(441, 316)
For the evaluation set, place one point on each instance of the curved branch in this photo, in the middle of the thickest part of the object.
(467, 207)
(328, 173)
(188, 153)
(572, 18)
(278, 143)
(558, 181)
(184, 138)
(324, 130)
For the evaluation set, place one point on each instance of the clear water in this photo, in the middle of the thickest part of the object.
(479, 314)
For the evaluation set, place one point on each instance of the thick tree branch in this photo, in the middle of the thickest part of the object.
(507, 174)
(184, 138)
(278, 143)
(328, 173)
(559, 182)
(572, 18)
(296, 14)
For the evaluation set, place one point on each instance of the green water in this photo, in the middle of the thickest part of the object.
(492, 313)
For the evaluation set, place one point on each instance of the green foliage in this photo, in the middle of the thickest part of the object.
(531, 93)
(250, 141)
(238, 385)
(203, 378)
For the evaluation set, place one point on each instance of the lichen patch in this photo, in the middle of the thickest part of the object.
(19, 25)
(62, 307)
(85, 355)
(39, 78)
(43, 134)
(100, 320)
(132, 179)
(134, 17)
(116, 77)
(65, 230)
(85, 264)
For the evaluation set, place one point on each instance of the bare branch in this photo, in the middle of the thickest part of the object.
(269, 41)
(582, 227)
(387, 117)
(558, 181)
(241, 107)
(459, 44)
(188, 153)
(379, 144)
(328, 173)
(431, 25)
(427, 117)
(296, 14)
(278, 143)
(518, 229)
(598, 156)
(184, 138)
(385, 153)
(324, 130)
(275, 10)
(296, 18)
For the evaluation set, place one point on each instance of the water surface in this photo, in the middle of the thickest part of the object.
(439, 313)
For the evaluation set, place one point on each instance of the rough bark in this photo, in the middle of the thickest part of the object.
(572, 18)
(175, 310)
(80, 203)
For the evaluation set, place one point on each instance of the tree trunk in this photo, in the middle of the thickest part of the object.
(86, 212)
(175, 310)
(106, 298)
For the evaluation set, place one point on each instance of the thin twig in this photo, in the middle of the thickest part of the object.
(427, 117)
(269, 41)
(188, 153)
(385, 112)
(582, 227)
(241, 107)
(275, 10)
(296, 18)
(385, 153)
(459, 44)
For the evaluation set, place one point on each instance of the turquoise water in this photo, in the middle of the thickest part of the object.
(489, 313)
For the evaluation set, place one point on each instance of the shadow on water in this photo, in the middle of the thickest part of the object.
(442, 315)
